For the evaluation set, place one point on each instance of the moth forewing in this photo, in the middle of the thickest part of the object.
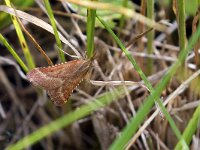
(60, 80)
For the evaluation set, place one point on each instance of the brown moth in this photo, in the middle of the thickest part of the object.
(60, 80)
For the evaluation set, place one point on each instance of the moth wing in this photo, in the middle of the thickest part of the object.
(66, 70)
(57, 96)
(60, 95)
(60, 80)
(41, 79)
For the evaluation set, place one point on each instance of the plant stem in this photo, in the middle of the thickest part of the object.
(26, 51)
(149, 86)
(14, 54)
(181, 23)
(53, 23)
(190, 129)
(150, 36)
(91, 14)
(122, 19)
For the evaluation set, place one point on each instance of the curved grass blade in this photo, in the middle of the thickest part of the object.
(149, 86)
(101, 101)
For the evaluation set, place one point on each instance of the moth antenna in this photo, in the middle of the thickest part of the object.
(73, 56)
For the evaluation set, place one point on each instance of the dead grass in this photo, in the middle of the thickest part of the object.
(24, 109)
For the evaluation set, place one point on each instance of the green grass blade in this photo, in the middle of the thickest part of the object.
(15, 55)
(4, 17)
(150, 36)
(181, 23)
(27, 54)
(191, 128)
(132, 127)
(69, 118)
(53, 23)
(91, 16)
(122, 19)
(144, 78)
(118, 9)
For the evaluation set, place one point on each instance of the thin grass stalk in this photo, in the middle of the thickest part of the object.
(118, 9)
(14, 54)
(39, 48)
(26, 51)
(194, 122)
(4, 17)
(122, 18)
(147, 83)
(150, 37)
(53, 23)
(132, 127)
(69, 118)
(140, 27)
(91, 13)
(191, 128)
(195, 23)
(181, 23)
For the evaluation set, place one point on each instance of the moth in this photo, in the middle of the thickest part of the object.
(60, 80)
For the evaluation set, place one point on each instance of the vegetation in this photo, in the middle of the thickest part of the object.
(142, 91)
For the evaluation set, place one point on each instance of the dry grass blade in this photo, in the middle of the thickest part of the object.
(39, 48)
(103, 83)
(178, 91)
(4, 61)
(112, 107)
(38, 22)
(2, 112)
(131, 42)
(122, 10)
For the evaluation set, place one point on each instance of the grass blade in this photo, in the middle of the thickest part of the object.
(91, 13)
(181, 23)
(150, 36)
(22, 40)
(149, 86)
(143, 111)
(53, 23)
(69, 118)
(14, 54)
(190, 129)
